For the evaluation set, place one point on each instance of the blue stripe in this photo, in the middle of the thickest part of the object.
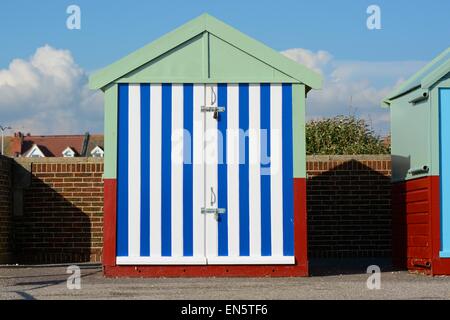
(244, 228)
(266, 236)
(288, 172)
(222, 173)
(145, 170)
(188, 239)
(166, 172)
(444, 170)
(122, 173)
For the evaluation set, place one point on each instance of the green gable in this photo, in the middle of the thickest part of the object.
(424, 79)
(205, 50)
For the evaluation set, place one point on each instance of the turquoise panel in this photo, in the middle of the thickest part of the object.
(411, 142)
(444, 125)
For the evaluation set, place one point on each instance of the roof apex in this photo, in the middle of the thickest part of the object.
(199, 25)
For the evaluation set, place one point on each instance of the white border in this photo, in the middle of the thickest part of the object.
(160, 261)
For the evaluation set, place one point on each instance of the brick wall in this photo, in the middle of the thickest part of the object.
(62, 217)
(5, 210)
(348, 208)
(348, 201)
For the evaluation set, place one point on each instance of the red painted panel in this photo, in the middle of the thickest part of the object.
(206, 271)
(411, 222)
(419, 229)
(109, 222)
(417, 218)
(300, 223)
(416, 226)
(300, 239)
(412, 196)
(422, 252)
(419, 241)
(418, 207)
(439, 266)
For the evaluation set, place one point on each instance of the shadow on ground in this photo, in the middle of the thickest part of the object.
(332, 267)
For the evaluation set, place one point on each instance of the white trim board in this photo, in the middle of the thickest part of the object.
(251, 260)
(160, 261)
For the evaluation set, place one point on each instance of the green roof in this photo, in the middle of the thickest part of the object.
(424, 78)
(190, 31)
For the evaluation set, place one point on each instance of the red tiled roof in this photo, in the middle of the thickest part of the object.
(53, 146)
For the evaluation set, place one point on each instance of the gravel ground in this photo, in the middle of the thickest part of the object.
(51, 283)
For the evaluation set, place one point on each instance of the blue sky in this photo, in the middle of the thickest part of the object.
(412, 33)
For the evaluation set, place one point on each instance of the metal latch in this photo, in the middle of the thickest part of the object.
(216, 110)
(215, 211)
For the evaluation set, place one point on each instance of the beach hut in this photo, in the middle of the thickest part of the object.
(420, 127)
(205, 157)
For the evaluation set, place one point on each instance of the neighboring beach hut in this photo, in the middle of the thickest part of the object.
(420, 125)
(173, 111)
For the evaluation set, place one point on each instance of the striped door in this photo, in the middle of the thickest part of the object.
(179, 159)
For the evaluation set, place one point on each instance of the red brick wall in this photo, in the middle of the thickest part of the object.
(348, 203)
(5, 210)
(349, 212)
(62, 212)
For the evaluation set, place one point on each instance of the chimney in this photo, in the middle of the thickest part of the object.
(17, 143)
(84, 148)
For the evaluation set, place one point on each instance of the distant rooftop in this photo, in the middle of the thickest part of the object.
(21, 144)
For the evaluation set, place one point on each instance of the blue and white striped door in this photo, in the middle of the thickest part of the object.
(174, 160)
(251, 174)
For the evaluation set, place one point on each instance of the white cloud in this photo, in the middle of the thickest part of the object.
(353, 87)
(313, 60)
(48, 94)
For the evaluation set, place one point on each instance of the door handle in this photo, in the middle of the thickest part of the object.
(213, 197)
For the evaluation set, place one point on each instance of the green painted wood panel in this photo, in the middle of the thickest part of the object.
(229, 62)
(110, 144)
(186, 61)
(411, 140)
(206, 59)
(434, 123)
(298, 125)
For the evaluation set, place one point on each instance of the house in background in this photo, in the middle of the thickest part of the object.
(68, 146)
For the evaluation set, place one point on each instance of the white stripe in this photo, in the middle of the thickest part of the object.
(198, 172)
(254, 170)
(155, 169)
(252, 260)
(177, 170)
(233, 168)
(211, 161)
(276, 177)
(160, 261)
(134, 170)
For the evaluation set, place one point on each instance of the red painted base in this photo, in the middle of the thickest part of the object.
(109, 222)
(416, 227)
(300, 238)
(206, 271)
